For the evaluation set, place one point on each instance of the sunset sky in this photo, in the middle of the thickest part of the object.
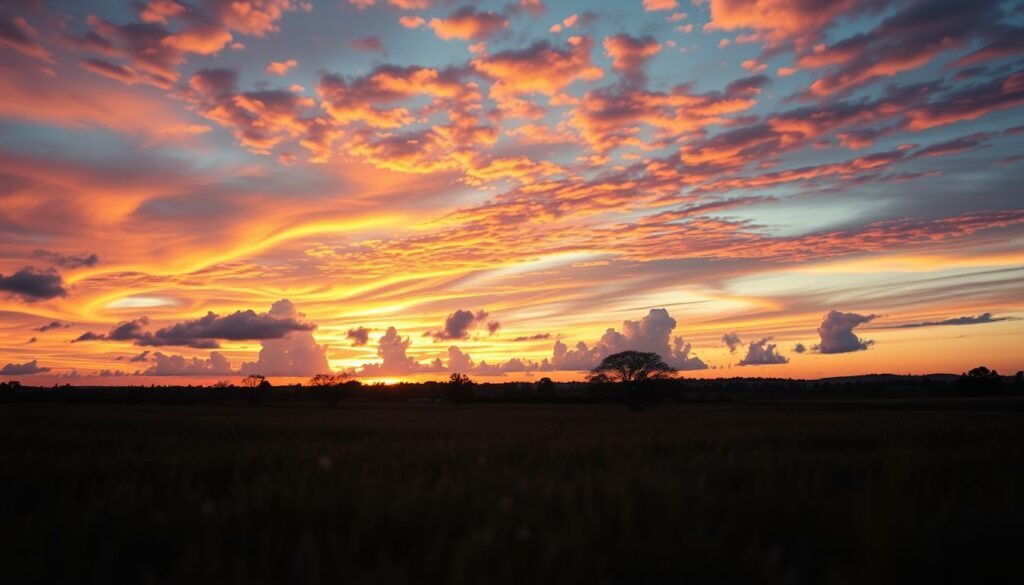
(197, 190)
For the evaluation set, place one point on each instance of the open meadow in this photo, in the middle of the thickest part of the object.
(829, 491)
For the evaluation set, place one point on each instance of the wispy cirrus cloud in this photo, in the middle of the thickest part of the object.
(967, 320)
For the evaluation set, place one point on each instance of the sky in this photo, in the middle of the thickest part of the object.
(199, 190)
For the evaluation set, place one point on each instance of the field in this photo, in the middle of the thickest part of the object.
(822, 491)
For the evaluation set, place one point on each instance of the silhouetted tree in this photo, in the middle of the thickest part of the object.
(7, 390)
(459, 389)
(980, 380)
(546, 387)
(330, 386)
(257, 385)
(253, 381)
(636, 372)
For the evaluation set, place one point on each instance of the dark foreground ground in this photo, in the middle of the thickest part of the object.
(780, 492)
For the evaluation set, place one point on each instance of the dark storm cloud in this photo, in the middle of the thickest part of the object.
(204, 332)
(238, 326)
(24, 369)
(359, 336)
(458, 324)
(67, 261)
(33, 285)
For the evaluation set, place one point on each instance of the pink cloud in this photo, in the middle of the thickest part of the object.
(630, 54)
(657, 5)
(468, 24)
(281, 67)
(412, 21)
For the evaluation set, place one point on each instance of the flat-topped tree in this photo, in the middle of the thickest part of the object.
(635, 370)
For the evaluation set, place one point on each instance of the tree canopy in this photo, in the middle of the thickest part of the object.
(632, 367)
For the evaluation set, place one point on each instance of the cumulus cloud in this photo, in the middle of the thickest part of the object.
(538, 69)
(204, 333)
(799, 348)
(653, 333)
(64, 261)
(910, 38)
(395, 361)
(468, 24)
(836, 332)
(170, 31)
(261, 120)
(462, 363)
(732, 341)
(630, 54)
(783, 20)
(281, 67)
(412, 21)
(294, 353)
(458, 361)
(24, 369)
(459, 323)
(761, 353)
(392, 348)
(176, 365)
(50, 326)
(33, 285)
(968, 320)
(359, 336)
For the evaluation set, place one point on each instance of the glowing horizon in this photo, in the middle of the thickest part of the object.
(407, 188)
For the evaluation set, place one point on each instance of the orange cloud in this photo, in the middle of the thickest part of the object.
(468, 24)
(656, 5)
(281, 67)
(412, 21)
(630, 54)
(781, 20)
(539, 69)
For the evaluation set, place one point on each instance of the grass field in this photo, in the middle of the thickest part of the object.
(781, 492)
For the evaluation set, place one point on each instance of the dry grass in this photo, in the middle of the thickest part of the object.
(775, 493)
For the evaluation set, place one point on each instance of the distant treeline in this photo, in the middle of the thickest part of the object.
(679, 390)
